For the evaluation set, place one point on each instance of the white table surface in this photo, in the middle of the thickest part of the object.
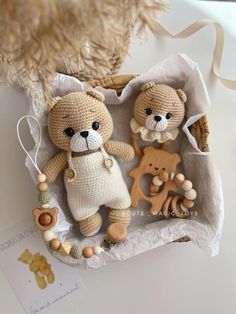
(176, 278)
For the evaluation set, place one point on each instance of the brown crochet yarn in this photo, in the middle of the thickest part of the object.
(90, 225)
(78, 111)
(80, 124)
(122, 216)
(54, 166)
(161, 99)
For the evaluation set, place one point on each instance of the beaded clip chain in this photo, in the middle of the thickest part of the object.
(45, 217)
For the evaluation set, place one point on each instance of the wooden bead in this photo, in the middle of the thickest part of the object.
(187, 185)
(164, 176)
(191, 194)
(156, 181)
(116, 232)
(188, 203)
(87, 252)
(42, 186)
(179, 178)
(42, 177)
(65, 249)
(45, 219)
(48, 235)
(97, 250)
(54, 244)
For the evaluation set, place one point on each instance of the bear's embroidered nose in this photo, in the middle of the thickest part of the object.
(157, 118)
(84, 134)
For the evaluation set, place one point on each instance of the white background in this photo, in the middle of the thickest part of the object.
(176, 278)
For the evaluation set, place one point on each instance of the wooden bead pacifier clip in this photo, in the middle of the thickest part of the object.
(45, 217)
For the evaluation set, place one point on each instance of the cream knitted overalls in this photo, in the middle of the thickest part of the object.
(95, 185)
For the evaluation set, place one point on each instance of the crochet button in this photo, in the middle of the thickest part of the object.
(70, 173)
(108, 163)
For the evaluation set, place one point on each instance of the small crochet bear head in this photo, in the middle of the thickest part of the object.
(159, 107)
(79, 121)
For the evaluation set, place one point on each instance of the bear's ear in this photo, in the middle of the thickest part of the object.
(53, 102)
(146, 86)
(181, 95)
(99, 96)
(176, 159)
(148, 149)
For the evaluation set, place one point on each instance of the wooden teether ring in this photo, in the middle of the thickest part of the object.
(46, 218)
(149, 164)
(174, 206)
(166, 206)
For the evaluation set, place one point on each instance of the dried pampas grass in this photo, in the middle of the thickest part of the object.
(85, 38)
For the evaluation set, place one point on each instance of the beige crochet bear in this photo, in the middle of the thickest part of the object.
(158, 111)
(81, 126)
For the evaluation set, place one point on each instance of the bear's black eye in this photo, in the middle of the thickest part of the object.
(148, 111)
(69, 132)
(95, 125)
(168, 115)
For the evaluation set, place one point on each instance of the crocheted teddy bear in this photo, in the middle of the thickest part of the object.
(80, 125)
(158, 111)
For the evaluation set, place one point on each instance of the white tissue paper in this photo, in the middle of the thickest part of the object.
(146, 232)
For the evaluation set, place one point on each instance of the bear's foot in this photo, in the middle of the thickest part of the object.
(122, 216)
(91, 225)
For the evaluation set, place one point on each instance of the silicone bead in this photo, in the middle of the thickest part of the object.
(76, 251)
(179, 178)
(48, 235)
(97, 250)
(45, 205)
(191, 194)
(187, 185)
(65, 249)
(156, 181)
(42, 177)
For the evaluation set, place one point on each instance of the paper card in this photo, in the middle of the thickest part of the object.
(38, 279)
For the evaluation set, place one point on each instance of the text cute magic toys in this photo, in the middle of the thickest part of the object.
(80, 125)
(158, 112)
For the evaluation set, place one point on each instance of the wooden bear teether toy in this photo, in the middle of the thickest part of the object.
(162, 165)
(46, 218)
(156, 162)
